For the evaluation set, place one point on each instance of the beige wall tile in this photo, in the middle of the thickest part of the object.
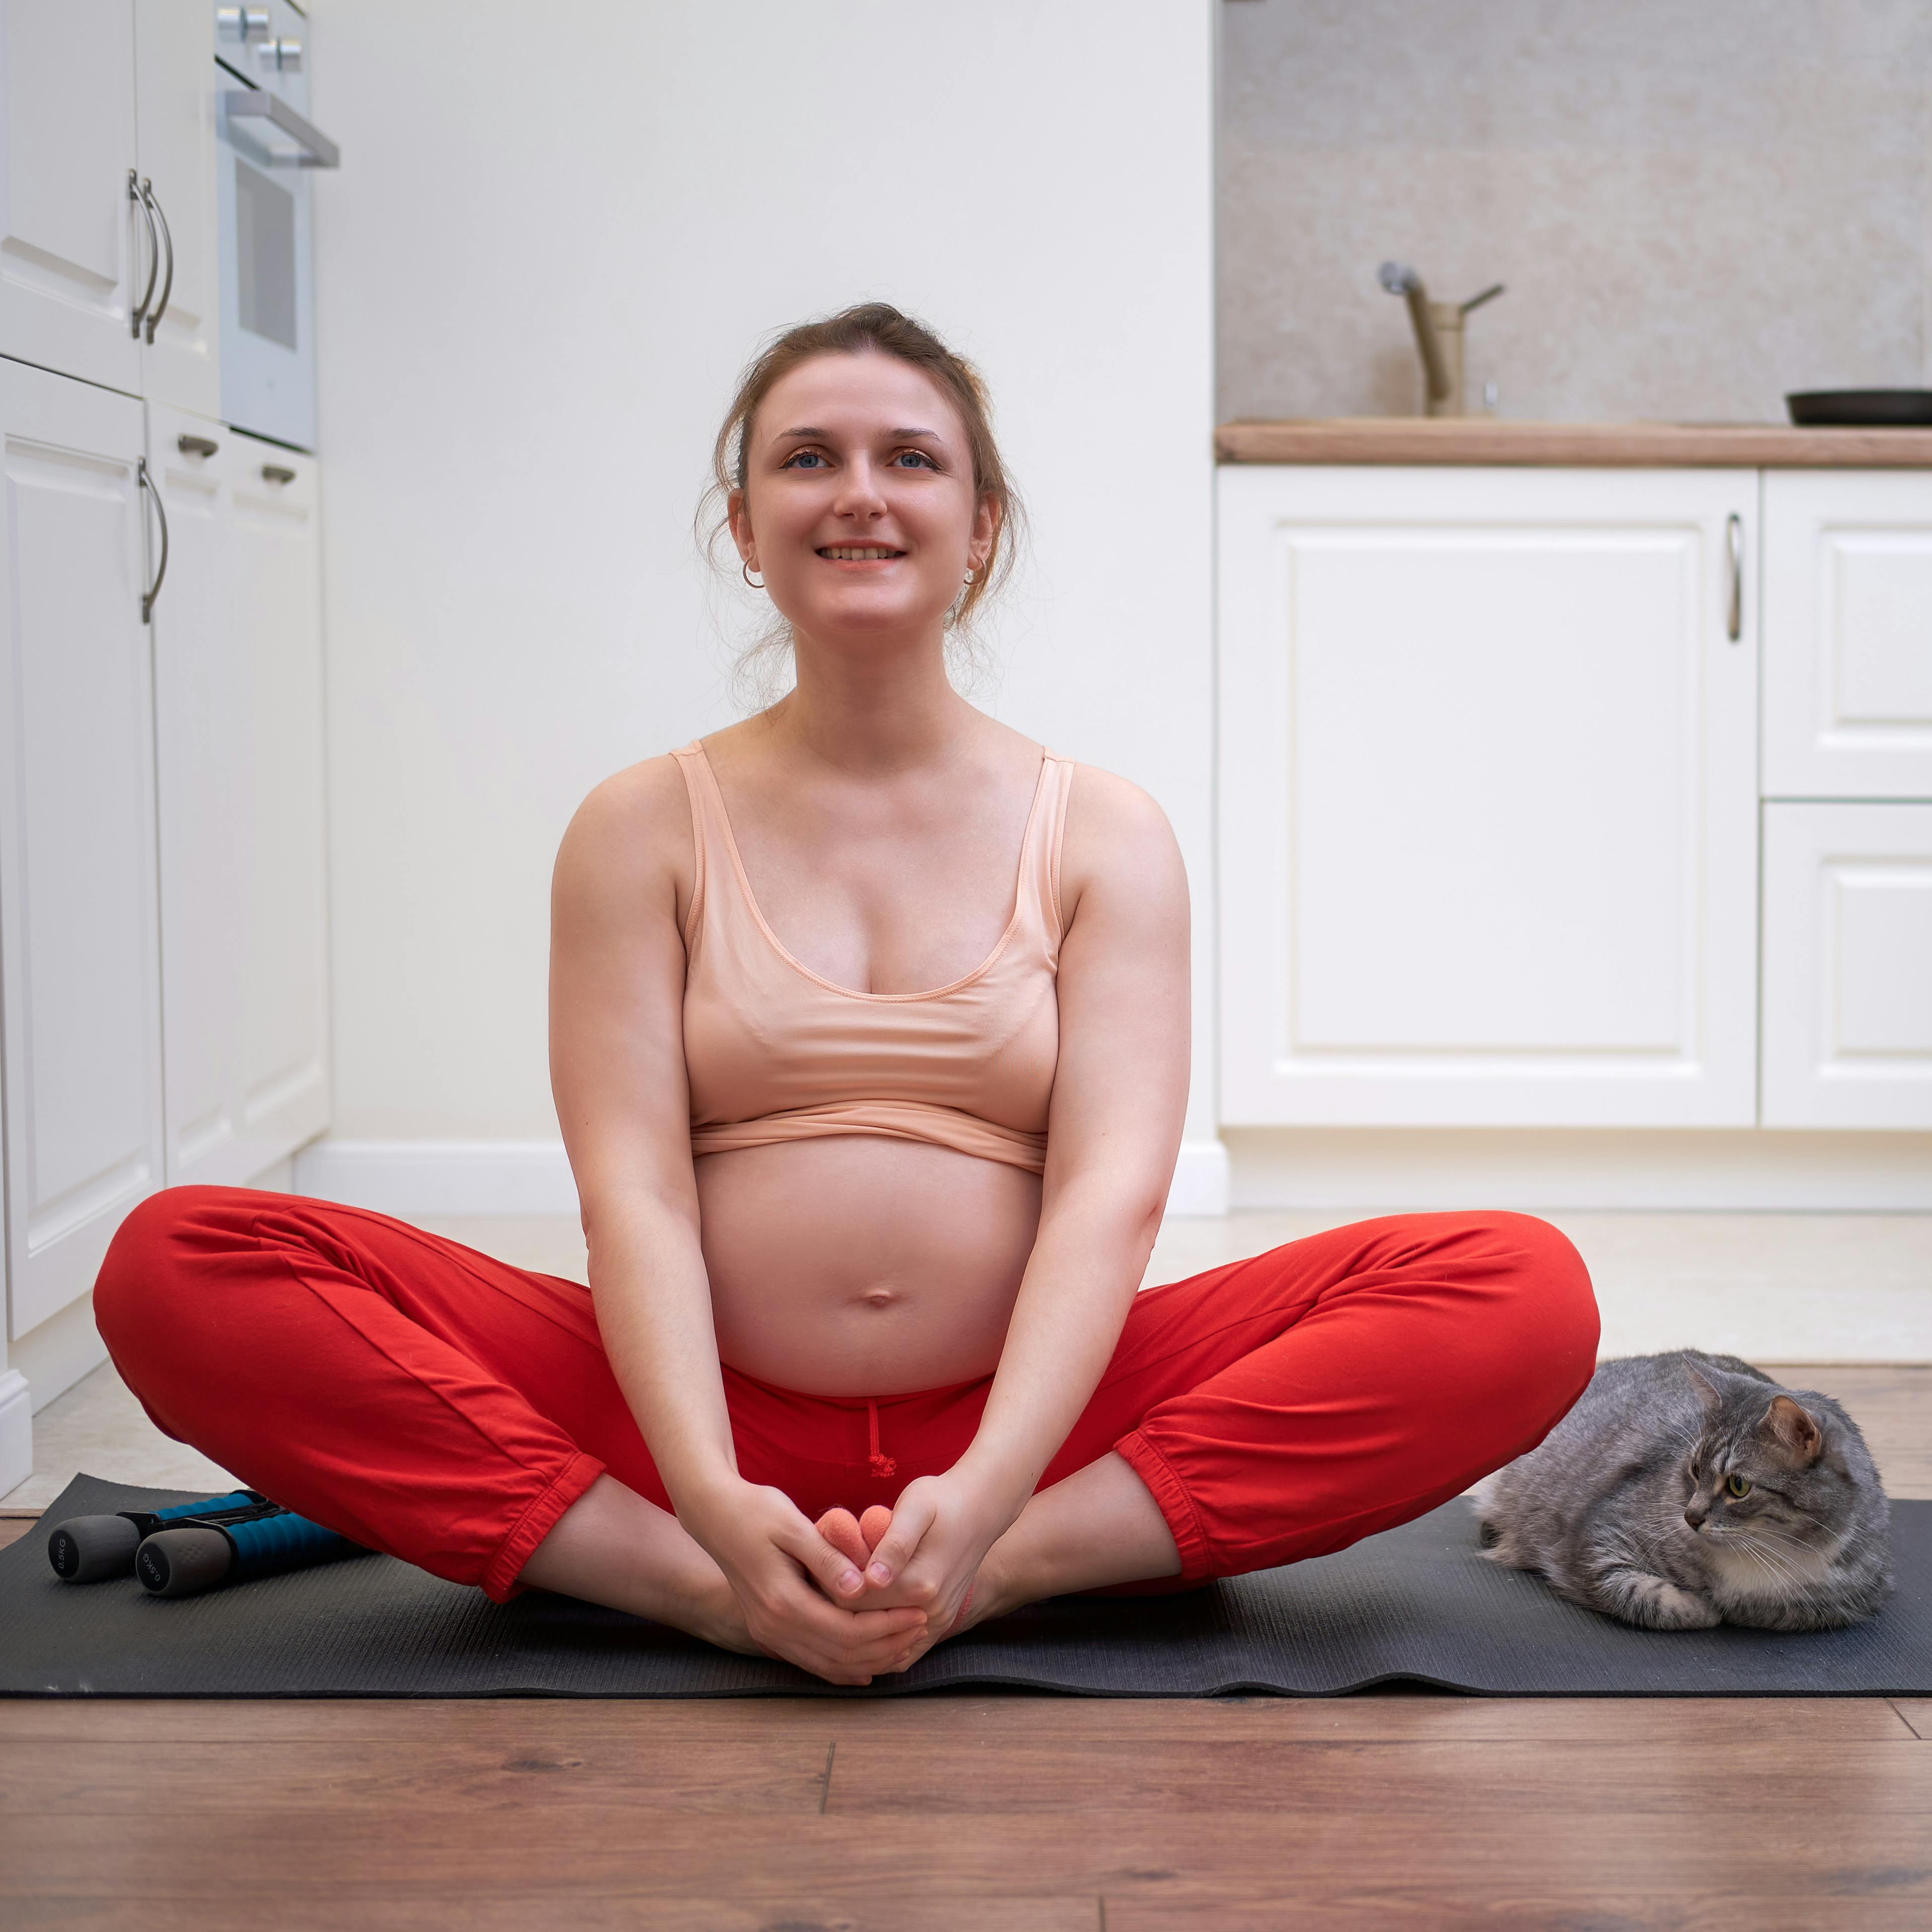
(1695, 208)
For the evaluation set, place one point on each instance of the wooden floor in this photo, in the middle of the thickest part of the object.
(980, 1811)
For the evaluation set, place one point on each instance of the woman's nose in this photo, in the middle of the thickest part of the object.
(859, 493)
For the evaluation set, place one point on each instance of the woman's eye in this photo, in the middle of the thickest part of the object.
(1737, 1486)
(801, 459)
(916, 457)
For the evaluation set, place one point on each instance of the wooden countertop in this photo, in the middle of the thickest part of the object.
(1496, 440)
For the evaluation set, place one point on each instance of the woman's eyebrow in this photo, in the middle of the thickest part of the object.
(806, 433)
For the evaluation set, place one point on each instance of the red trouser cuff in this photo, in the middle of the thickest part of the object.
(1175, 1505)
(500, 1580)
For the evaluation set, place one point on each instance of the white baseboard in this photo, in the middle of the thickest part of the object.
(406, 1177)
(55, 1355)
(1740, 1171)
(1200, 1180)
(17, 1431)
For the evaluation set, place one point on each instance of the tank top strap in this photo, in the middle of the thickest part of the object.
(1041, 865)
(710, 832)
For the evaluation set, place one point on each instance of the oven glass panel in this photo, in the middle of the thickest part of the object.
(264, 255)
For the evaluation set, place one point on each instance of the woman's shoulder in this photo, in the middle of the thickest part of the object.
(1117, 839)
(632, 830)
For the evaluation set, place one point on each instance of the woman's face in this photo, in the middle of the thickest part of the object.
(859, 508)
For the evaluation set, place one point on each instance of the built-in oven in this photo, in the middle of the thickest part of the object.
(269, 151)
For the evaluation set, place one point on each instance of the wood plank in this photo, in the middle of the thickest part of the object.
(1494, 1906)
(1835, 1848)
(1493, 440)
(330, 1910)
(1521, 1780)
(1916, 1714)
(425, 1774)
(944, 1719)
(13, 1528)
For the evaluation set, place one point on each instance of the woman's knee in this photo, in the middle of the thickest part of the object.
(152, 1289)
(1550, 1307)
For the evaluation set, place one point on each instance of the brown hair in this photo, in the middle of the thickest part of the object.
(879, 329)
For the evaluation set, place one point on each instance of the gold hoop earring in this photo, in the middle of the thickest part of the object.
(745, 572)
(969, 576)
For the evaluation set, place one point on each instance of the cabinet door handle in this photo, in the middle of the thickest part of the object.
(1734, 595)
(161, 308)
(274, 472)
(196, 445)
(140, 201)
(153, 589)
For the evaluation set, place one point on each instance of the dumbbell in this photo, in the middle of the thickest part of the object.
(181, 1551)
(89, 1548)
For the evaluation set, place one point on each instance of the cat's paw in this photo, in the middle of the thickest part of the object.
(1663, 1605)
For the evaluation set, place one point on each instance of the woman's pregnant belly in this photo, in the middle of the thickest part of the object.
(854, 1264)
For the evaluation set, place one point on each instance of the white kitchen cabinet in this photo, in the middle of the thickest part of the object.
(91, 91)
(238, 674)
(72, 241)
(1848, 634)
(80, 950)
(175, 110)
(1488, 803)
(1848, 965)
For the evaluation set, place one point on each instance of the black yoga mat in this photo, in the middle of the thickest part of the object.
(1419, 1603)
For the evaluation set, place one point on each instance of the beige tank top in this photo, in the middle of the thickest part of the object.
(774, 1052)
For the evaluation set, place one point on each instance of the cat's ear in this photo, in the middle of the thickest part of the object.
(1791, 1425)
(1708, 1394)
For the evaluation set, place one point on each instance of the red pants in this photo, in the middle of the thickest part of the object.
(426, 1400)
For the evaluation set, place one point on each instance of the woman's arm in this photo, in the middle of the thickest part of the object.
(617, 1033)
(1120, 1092)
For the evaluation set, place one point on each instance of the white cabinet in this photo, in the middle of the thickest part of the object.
(72, 241)
(175, 110)
(79, 950)
(1848, 634)
(1488, 809)
(92, 91)
(238, 674)
(1848, 965)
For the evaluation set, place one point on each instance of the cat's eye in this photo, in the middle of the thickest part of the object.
(1737, 1486)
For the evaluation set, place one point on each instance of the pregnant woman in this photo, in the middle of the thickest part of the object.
(869, 1039)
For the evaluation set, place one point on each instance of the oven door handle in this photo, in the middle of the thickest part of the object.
(161, 308)
(257, 104)
(140, 201)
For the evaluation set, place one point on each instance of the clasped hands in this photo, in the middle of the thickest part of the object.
(847, 1600)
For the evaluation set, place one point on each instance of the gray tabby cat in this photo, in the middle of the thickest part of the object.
(1687, 1489)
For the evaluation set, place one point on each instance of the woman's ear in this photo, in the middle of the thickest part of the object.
(986, 533)
(738, 515)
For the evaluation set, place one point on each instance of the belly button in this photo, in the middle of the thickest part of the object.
(879, 1297)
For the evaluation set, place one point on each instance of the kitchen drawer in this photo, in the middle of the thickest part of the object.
(1847, 996)
(1847, 628)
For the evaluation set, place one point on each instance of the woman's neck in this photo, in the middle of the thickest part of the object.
(875, 714)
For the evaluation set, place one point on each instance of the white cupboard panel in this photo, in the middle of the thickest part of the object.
(1848, 634)
(175, 104)
(69, 245)
(1488, 799)
(238, 698)
(79, 947)
(1848, 965)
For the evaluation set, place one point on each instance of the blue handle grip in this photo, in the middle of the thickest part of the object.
(276, 1543)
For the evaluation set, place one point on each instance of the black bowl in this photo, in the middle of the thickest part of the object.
(1862, 409)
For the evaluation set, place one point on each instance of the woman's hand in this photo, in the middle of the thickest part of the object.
(790, 1583)
(942, 1527)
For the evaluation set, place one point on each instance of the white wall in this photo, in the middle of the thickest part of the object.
(556, 235)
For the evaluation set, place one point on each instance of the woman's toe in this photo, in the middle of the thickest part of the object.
(841, 1529)
(872, 1526)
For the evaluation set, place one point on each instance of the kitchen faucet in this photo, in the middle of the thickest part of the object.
(1438, 336)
